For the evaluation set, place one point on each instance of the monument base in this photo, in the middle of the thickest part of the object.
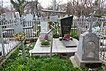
(77, 62)
(68, 43)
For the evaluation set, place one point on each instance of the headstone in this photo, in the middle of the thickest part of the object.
(9, 16)
(66, 24)
(29, 17)
(54, 18)
(88, 49)
(44, 26)
(18, 27)
(17, 15)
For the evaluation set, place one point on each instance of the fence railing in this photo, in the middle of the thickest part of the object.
(103, 44)
(31, 28)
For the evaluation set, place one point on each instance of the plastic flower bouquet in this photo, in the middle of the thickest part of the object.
(19, 36)
(66, 37)
(45, 42)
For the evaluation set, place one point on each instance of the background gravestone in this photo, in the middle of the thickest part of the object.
(9, 16)
(66, 24)
(18, 27)
(44, 26)
(29, 17)
(17, 15)
(54, 18)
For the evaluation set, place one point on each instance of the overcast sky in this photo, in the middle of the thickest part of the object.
(44, 3)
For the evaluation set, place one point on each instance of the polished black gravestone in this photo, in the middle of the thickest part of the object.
(66, 24)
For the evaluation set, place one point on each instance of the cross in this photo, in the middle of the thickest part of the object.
(90, 26)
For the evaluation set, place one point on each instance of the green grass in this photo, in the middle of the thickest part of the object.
(56, 63)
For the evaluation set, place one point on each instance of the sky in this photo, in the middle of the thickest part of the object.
(44, 3)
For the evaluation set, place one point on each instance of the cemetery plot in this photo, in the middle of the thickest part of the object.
(58, 47)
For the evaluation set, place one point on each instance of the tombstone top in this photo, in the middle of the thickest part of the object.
(29, 17)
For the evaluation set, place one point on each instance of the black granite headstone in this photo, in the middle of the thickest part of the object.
(66, 24)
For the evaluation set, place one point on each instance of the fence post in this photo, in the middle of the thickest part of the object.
(1, 33)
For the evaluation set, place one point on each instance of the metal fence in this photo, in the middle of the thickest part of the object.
(31, 28)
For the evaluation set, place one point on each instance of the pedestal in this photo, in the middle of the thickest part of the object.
(77, 62)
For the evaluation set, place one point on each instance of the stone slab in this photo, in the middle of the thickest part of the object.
(77, 62)
(58, 47)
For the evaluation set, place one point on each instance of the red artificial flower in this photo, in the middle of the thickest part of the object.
(67, 36)
(50, 26)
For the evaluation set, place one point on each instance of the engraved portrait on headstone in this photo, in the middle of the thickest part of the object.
(90, 47)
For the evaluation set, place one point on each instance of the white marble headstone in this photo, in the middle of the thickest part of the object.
(44, 26)
(17, 14)
(18, 28)
(29, 17)
(9, 16)
(54, 18)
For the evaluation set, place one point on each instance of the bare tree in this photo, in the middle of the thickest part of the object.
(80, 7)
(33, 7)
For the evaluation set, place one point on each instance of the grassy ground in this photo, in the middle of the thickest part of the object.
(16, 63)
(56, 63)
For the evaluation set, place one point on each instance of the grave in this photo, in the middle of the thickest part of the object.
(9, 16)
(18, 27)
(88, 50)
(29, 17)
(66, 24)
(17, 15)
(54, 18)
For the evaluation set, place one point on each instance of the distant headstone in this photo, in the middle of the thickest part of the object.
(54, 18)
(18, 27)
(17, 15)
(9, 16)
(44, 26)
(66, 24)
(29, 17)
